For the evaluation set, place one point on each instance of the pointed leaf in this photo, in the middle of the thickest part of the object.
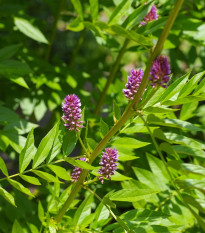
(16, 227)
(174, 89)
(27, 153)
(30, 179)
(20, 187)
(80, 164)
(127, 142)
(78, 8)
(45, 146)
(132, 195)
(83, 210)
(3, 167)
(41, 213)
(46, 176)
(104, 128)
(119, 11)
(69, 142)
(60, 172)
(29, 30)
(6, 195)
(94, 7)
(8, 51)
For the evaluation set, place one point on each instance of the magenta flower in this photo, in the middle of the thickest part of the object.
(76, 172)
(134, 81)
(108, 163)
(152, 15)
(160, 72)
(72, 112)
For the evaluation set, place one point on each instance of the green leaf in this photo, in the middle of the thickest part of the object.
(190, 85)
(180, 139)
(132, 195)
(46, 176)
(20, 81)
(14, 68)
(127, 142)
(187, 110)
(91, 143)
(116, 111)
(6, 195)
(174, 89)
(60, 172)
(83, 210)
(41, 213)
(20, 187)
(29, 30)
(3, 167)
(45, 146)
(104, 128)
(130, 34)
(119, 177)
(136, 16)
(186, 150)
(94, 7)
(119, 11)
(76, 25)
(30, 179)
(69, 142)
(57, 144)
(9, 51)
(27, 153)
(148, 178)
(17, 227)
(78, 8)
(193, 168)
(80, 164)
(200, 88)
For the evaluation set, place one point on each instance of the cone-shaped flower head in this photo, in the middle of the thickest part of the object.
(160, 72)
(76, 172)
(134, 81)
(108, 163)
(152, 15)
(72, 112)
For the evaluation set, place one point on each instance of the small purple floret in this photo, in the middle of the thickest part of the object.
(108, 163)
(152, 15)
(76, 172)
(160, 72)
(134, 81)
(72, 112)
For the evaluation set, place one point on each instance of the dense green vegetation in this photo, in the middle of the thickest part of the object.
(52, 49)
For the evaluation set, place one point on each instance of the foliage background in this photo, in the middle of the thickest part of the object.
(70, 54)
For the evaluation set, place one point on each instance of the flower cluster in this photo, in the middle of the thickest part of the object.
(134, 81)
(160, 72)
(152, 15)
(72, 112)
(76, 172)
(108, 163)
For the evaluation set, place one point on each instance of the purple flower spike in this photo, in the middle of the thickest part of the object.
(160, 72)
(108, 163)
(76, 172)
(152, 15)
(72, 112)
(134, 81)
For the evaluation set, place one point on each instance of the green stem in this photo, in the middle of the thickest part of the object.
(83, 146)
(54, 28)
(126, 115)
(111, 77)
